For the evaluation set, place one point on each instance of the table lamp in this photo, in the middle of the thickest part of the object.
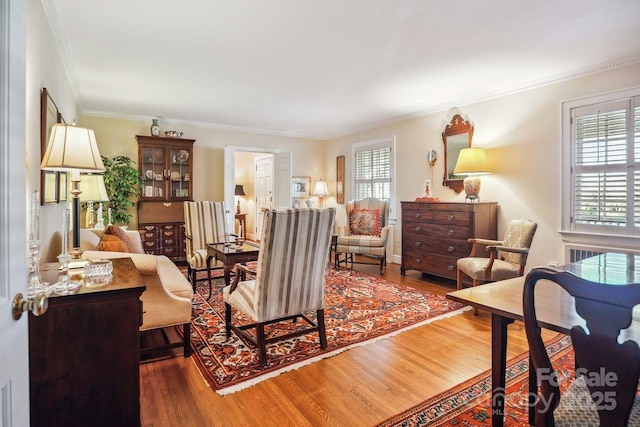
(472, 162)
(72, 149)
(320, 190)
(239, 192)
(92, 190)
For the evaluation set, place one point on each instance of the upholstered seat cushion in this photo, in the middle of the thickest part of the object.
(198, 259)
(577, 409)
(242, 298)
(474, 268)
(360, 240)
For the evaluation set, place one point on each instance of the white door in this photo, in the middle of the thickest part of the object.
(282, 180)
(263, 190)
(14, 344)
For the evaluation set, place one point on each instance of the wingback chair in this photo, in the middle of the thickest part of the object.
(204, 222)
(507, 258)
(366, 233)
(289, 280)
(604, 391)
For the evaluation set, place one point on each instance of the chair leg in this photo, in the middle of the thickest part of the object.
(321, 329)
(381, 265)
(459, 279)
(336, 260)
(187, 339)
(262, 344)
(227, 319)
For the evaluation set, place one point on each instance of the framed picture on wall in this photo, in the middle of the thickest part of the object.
(301, 187)
(50, 184)
(340, 180)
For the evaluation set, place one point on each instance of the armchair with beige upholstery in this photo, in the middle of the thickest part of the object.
(205, 222)
(366, 233)
(290, 278)
(507, 258)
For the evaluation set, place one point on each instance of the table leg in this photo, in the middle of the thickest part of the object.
(227, 274)
(209, 274)
(498, 367)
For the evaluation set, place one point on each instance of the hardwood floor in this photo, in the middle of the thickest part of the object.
(359, 387)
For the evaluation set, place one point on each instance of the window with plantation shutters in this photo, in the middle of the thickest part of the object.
(605, 167)
(373, 171)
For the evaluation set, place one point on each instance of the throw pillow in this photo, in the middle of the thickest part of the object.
(120, 234)
(365, 222)
(111, 243)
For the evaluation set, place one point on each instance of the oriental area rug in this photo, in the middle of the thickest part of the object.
(469, 403)
(359, 309)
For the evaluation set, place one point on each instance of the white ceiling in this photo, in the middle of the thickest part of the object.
(324, 68)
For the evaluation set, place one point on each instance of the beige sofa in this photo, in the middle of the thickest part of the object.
(166, 301)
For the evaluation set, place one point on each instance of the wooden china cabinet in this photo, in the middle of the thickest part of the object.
(166, 169)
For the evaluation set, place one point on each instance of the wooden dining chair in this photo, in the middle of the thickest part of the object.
(604, 391)
(289, 280)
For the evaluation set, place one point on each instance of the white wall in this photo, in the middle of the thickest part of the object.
(523, 138)
(44, 69)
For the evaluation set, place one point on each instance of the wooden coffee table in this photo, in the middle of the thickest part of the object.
(230, 255)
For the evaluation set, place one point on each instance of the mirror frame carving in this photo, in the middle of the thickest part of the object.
(457, 126)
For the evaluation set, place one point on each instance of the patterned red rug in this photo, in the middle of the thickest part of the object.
(360, 308)
(469, 403)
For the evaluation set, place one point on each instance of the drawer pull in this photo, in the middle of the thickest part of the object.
(451, 249)
(166, 205)
(418, 215)
(417, 260)
(451, 232)
(451, 217)
(418, 244)
(450, 267)
(417, 229)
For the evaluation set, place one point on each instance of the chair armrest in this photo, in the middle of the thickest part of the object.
(474, 244)
(485, 241)
(343, 230)
(512, 250)
(241, 271)
(384, 233)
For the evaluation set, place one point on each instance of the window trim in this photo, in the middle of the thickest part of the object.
(568, 232)
(372, 144)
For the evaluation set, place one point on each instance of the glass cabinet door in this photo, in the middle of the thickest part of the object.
(153, 172)
(179, 177)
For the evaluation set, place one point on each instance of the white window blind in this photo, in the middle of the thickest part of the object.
(605, 184)
(373, 171)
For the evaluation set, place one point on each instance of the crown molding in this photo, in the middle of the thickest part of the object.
(62, 42)
(557, 78)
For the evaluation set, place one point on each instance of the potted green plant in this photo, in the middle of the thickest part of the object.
(122, 181)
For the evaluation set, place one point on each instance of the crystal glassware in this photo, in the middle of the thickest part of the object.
(35, 285)
(98, 273)
(65, 285)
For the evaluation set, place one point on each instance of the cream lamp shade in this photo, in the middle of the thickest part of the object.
(472, 162)
(92, 188)
(72, 149)
(320, 190)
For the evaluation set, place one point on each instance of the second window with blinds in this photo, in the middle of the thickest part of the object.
(373, 169)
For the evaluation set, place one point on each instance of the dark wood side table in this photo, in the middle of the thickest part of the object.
(242, 220)
(229, 255)
(84, 353)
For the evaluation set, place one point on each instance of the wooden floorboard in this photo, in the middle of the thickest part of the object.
(359, 387)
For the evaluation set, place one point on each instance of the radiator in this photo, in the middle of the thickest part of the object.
(575, 253)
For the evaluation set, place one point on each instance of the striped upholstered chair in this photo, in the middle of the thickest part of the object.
(366, 233)
(204, 223)
(289, 281)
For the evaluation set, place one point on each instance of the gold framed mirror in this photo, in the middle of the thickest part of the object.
(455, 136)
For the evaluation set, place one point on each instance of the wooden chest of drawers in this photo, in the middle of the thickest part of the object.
(162, 229)
(434, 234)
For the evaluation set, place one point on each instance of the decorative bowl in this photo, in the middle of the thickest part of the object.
(173, 133)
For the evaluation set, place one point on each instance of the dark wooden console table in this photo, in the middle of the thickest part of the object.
(84, 353)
